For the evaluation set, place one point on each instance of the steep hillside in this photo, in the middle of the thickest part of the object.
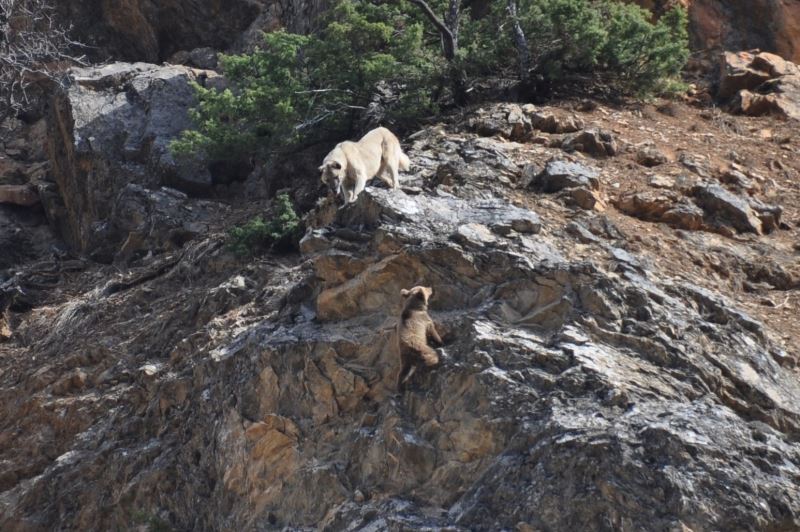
(620, 329)
(617, 286)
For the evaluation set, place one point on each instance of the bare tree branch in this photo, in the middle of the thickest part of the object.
(446, 29)
(34, 48)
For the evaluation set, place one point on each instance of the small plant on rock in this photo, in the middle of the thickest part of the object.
(281, 232)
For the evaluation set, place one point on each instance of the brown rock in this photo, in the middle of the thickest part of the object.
(646, 205)
(739, 24)
(597, 142)
(773, 64)
(737, 73)
(783, 102)
(23, 195)
(665, 207)
(585, 198)
(556, 123)
(651, 156)
(760, 83)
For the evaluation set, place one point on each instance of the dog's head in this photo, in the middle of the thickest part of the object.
(332, 174)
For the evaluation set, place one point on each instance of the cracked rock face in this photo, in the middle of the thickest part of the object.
(579, 390)
(112, 128)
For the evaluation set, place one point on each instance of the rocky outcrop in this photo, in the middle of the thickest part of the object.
(562, 384)
(585, 386)
(705, 206)
(770, 25)
(140, 30)
(760, 83)
(112, 127)
(596, 142)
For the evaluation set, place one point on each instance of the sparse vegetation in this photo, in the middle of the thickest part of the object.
(281, 231)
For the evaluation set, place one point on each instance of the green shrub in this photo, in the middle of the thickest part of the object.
(260, 114)
(372, 54)
(280, 232)
(311, 87)
(640, 56)
(595, 42)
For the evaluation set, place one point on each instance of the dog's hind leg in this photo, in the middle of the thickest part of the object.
(390, 162)
(394, 181)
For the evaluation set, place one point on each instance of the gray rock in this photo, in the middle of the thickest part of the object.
(727, 208)
(113, 127)
(558, 175)
(507, 120)
(581, 233)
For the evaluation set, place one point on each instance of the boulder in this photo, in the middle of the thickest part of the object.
(651, 156)
(664, 207)
(737, 72)
(596, 142)
(782, 99)
(559, 174)
(584, 198)
(759, 83)
(551, 122)
(507, 120)
(112, 127)
(727, 208)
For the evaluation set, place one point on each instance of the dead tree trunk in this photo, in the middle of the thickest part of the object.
(448, 30)
(521, 42)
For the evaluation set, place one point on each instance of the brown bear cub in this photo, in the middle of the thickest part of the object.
(413, 331)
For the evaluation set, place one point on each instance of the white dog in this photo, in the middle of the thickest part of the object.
(348, 167)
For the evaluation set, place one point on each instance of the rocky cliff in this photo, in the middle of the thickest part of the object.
(770, 25)
(617, 287)
(143, 30)
(617, 291)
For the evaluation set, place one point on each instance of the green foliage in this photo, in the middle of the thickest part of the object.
(281, 231)
(262, 110)
(596, 41)
(302, 87)
(644, 57)
(378, 53)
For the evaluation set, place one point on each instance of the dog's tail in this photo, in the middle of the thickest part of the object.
(405, 162)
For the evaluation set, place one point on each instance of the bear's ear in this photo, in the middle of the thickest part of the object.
(404, 292)
(336, 165)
